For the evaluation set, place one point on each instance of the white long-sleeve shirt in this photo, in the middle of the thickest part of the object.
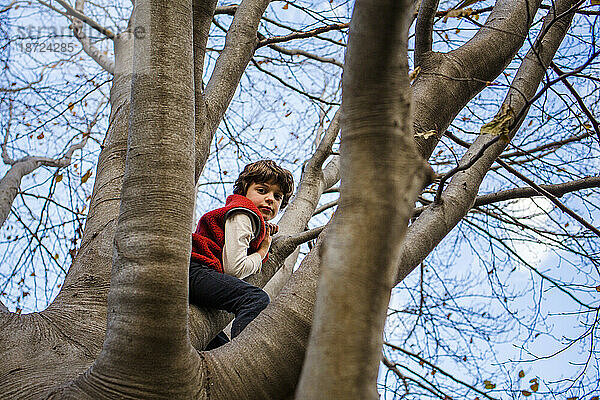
(240, 229)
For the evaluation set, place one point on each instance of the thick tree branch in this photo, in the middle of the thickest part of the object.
(376, 122)
(11, 181)
(424, 30)
(78, 14)
(240, 43)
(203, 16)
(557, 190)
(331, 173)
(149, 347)
(435, 222)
(226, 10)
(326, 206)
(447, 82)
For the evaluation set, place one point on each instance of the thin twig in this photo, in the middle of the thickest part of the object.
(424, 361)
(579, 100)
(84, 18)
(549, 196)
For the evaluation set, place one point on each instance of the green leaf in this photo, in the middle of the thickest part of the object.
(525, 393)
(595, 2)
(521, 374)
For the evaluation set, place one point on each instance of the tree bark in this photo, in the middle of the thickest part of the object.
(381, 175)
(147, 352)
(49, 348)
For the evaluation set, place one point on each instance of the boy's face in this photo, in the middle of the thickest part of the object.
(267, 197)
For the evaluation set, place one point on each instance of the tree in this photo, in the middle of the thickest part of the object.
(134, 338)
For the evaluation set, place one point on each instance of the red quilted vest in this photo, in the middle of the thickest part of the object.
(209, 238)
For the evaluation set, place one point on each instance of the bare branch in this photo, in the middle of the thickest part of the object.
(19, 89)
(424, 29)
(558, 190)
(424, 361)
(546, 146)
(77, 17)
(8, 7)
(84, 18)
(326, 206)
(9, 184)
(299, 52)
(549, 196)
(303, 237)
(439, 218)
(295, 89)
(240, 43)
(301, 35)
(579, 100)
(203, 16)
(226, 10)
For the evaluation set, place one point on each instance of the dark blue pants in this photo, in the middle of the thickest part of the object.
(212, 289)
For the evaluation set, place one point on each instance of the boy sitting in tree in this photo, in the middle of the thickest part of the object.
(230, 243)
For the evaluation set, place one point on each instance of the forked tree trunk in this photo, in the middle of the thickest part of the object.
(147, 353)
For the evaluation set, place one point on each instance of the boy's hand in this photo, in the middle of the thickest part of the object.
(271, 229)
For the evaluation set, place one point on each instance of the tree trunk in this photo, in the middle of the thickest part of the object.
(381, 175)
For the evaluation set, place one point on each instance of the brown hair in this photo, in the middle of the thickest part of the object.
(265, 171)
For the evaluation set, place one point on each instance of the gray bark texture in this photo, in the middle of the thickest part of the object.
(120, 326)
(358, 268)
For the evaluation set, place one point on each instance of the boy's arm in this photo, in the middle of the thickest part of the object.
(239, 233)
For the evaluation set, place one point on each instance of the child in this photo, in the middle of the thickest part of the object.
(230, 243)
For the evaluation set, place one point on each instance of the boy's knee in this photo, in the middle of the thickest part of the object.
(263, 298)
(259, 299)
